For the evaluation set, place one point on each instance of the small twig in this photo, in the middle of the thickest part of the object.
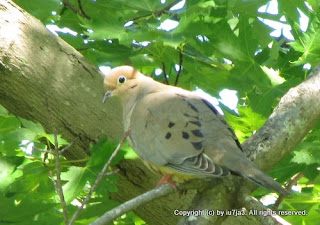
(111, 215)
(58, 180)
(292, 182)
(81, 10)
(180, 68)
(71, 6)
(67, 147)
(157, 13)
(166, 81)
(42, 150)
(99, 178)
(112, 172)
(57, 183)
(53, 153)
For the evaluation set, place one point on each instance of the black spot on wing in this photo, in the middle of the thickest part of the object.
(197, 123)
(192, 107)
(171, 124)
(197, 133)
(197, 145)
(185, 135)
(168, 135)
(211, 107)
(187, 115)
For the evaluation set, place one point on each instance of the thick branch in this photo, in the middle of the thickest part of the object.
(36, 66)
(297, 112)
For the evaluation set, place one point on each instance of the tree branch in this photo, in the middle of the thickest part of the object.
(293, 118)
(166, 80)
(292, 182)
(72, 7)
(82, 11)
(58, 181)
(132, 204)
(250, 203)
(180, 68)
(29, 77)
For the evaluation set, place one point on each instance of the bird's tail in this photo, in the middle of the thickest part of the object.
(238, 163)
(253, 173)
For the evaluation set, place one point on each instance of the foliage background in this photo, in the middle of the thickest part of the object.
(221, 44)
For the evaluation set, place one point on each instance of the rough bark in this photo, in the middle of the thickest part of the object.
(43, 79)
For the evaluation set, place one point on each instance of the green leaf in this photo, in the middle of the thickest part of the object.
(27, 195)
(289, 9)
(61, 141)
(264, 101)
(40, 9)
(76, 179)
(101, 153)
(8, 123)
(21, 134)
(249, 7)
(8, 172)
(246, 124)
(308, 154)
(309, 44)
(109, 28)
(35, 127)
(24, 211)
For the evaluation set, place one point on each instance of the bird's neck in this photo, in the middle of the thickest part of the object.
(144, 87)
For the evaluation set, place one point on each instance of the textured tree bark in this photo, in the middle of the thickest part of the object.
(44, 79)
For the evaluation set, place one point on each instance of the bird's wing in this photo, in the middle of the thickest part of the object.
(168, 129)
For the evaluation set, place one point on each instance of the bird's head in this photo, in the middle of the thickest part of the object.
(121, 81)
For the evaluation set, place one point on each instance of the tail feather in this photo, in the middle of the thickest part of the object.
(238, 163)
(267, 182)
(253, 173)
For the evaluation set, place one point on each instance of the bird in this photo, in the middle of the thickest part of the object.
(178, 133)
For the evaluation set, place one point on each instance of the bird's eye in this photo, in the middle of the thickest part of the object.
(121, 79)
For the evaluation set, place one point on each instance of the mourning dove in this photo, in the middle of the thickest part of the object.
(178, 133)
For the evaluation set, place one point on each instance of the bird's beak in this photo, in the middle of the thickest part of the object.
(106, 96)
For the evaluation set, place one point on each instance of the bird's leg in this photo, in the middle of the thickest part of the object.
(167, 179)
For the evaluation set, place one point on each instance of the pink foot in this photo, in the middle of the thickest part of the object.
(167, 179)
